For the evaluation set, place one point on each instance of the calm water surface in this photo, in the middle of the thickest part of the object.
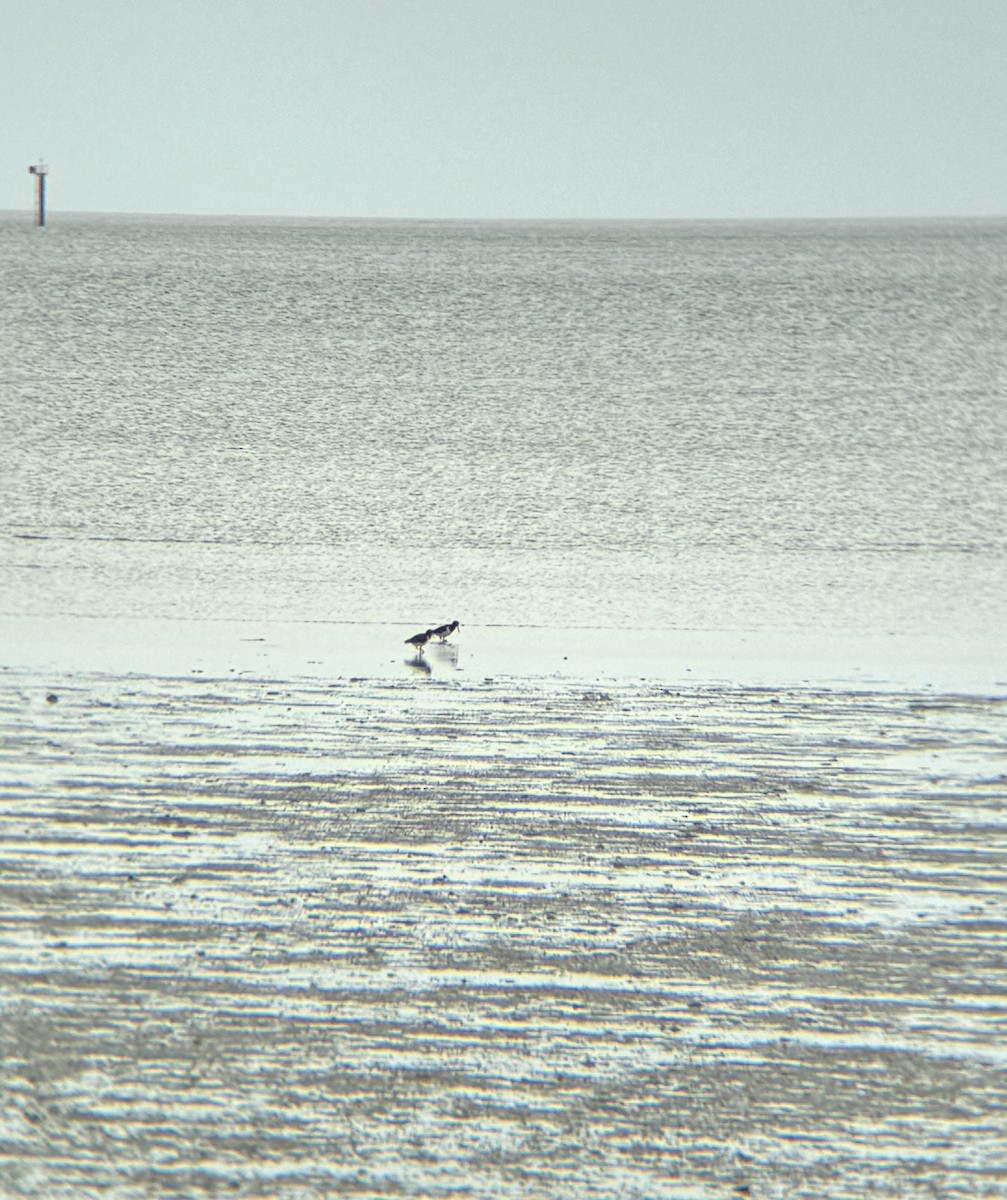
(671, 425)
(284, 936)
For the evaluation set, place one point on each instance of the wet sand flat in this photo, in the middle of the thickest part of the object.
(500, 939)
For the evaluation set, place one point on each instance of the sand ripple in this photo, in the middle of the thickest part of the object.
(500, 940)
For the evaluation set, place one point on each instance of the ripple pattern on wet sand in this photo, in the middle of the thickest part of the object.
(500, 940)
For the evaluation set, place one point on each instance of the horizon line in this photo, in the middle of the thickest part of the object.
(500, 219)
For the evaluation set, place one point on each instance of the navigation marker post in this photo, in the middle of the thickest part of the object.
(40, 171)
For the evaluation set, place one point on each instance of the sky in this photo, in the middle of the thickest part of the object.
(507, 108)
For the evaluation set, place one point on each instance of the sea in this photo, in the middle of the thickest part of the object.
(677, 872)
(647, 436)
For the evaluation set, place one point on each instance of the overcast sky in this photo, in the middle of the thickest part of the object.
(507, 108)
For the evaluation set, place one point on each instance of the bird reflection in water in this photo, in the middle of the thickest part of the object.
(419, 664)
(445, 655)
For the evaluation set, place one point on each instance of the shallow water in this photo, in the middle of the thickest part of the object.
(614, 897)
(775, 428)
(500, 940)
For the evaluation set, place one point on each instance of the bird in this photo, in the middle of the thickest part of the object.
(444, 631)
(419, 640)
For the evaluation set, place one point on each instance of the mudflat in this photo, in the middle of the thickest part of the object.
(500, 938)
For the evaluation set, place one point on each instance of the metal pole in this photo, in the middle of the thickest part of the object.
(39, 171)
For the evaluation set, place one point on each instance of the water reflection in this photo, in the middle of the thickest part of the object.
(444, 655)
(441, 658)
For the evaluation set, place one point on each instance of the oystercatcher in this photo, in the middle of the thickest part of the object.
(444, 631)
(419, 640)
